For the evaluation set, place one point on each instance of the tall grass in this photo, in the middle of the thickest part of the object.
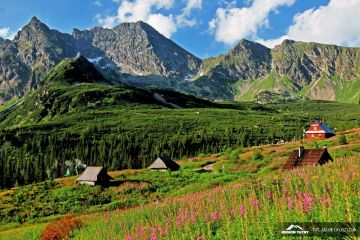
(252, 209)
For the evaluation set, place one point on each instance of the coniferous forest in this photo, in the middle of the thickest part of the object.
(134, 138)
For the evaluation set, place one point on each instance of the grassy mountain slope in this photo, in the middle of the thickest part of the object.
(290, 71)
(249, 188)
(122, 127)
(75, 85)
(74, 71)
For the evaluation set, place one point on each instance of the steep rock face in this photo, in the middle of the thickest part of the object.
(40, 47)
(247, 60)
(25, 60)
(306, 62)
(134, 48)
(137, 55)
(137, 48)
(218, 76)
(292, 70)
(15, 76)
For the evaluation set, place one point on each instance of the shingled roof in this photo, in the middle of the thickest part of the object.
(164, 163)
(307, 157)
(94, 174)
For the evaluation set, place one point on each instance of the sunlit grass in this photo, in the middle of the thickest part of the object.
(246, 210)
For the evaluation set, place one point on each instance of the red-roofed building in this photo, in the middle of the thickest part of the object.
(319, 129)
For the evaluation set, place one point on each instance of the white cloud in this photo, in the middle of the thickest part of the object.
(164, 24)
(232, 24)
(107, 22)
(7, 33)
(148, 11)
(142, 10)
(98, 3)
(192, 4)
(270, 43)
(336, 23)
(183, 19)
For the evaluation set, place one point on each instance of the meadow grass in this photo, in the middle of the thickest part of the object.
(250, 209)
(243, 195)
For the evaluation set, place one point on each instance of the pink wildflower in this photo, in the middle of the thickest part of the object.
(286, 192)
(289, 203)
(299, 194)
(215, 216)
(307, 202)
(242, 210)
(307, 182)
(255, 203)
(327, 201)
(269, 195)
(140, 231)
(162, 231)
(128, 237)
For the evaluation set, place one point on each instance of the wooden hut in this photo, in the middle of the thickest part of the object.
(164, 164)
(94, 176)
(319, 129)
(307, 157)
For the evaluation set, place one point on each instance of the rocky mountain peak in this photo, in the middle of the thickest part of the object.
(129, 48)
(35, 21)
(247, 60)
(138, 49)
(42, 48)
(288, 42)
(247, 44)
(33, 27)
(250, 49)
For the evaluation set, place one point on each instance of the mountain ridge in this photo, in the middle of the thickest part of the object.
(295, 70)
(135, 54)
(36, 49)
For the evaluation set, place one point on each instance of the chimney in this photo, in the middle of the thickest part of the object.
(301, 151)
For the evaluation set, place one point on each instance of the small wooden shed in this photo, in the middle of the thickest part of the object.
(94, 176)
(164, 164)
(307, 157)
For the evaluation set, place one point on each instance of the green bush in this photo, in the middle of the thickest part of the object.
(342, 140)
(257, 155)
(234, 155)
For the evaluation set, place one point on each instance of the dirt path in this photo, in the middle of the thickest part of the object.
(209, 167)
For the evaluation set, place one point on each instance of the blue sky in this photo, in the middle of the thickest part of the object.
(204, 27)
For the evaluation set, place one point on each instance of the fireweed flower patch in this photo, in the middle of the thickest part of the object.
(247, 210)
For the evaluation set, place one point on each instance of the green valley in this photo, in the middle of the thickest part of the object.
(123, 127)
(244, 180)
